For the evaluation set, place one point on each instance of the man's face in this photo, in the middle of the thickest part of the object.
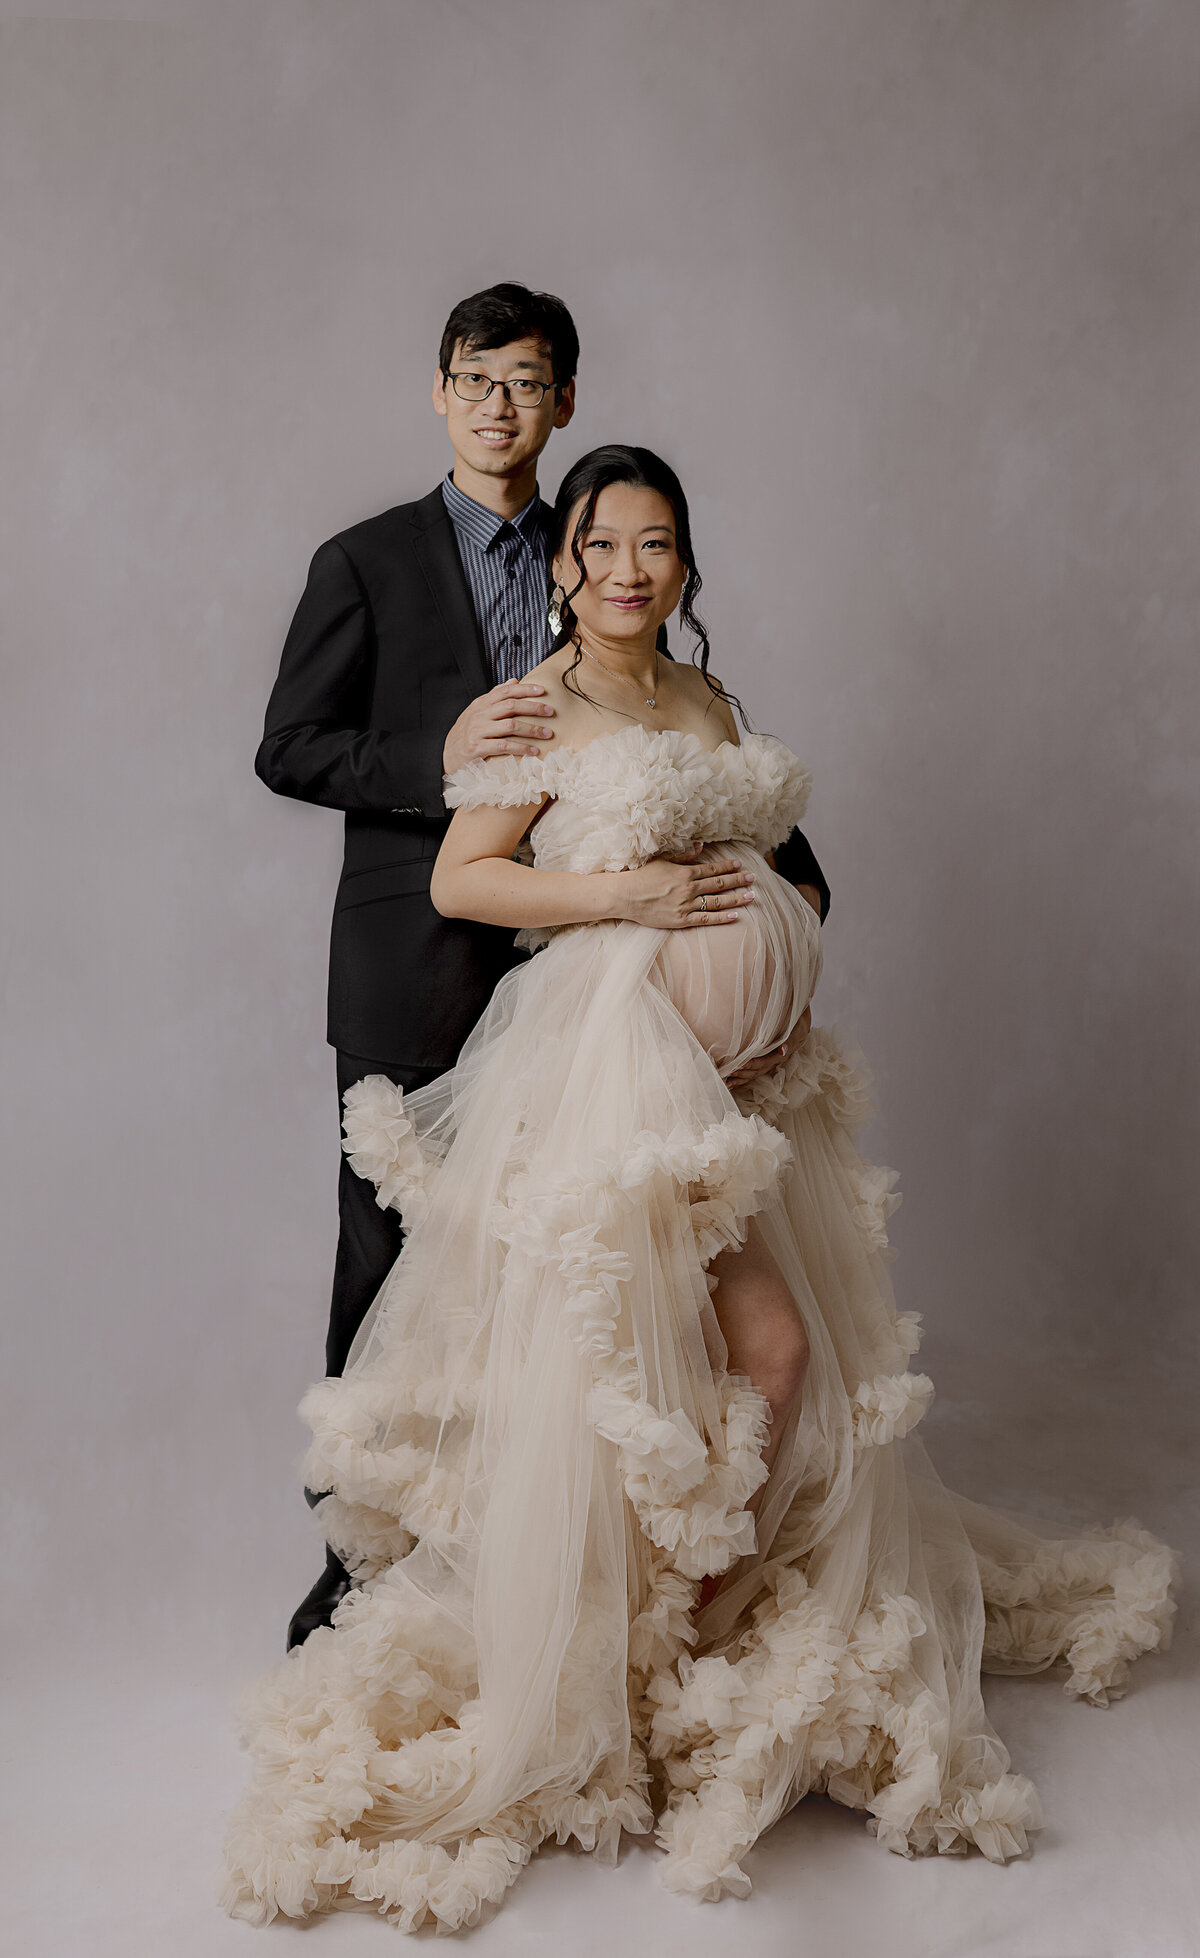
(497, 437)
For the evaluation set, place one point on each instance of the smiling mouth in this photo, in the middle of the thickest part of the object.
(496, 436)
(629, 604)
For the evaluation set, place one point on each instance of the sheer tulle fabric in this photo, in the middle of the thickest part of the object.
(538, 1452)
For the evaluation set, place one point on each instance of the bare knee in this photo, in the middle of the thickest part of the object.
(775, 1347)
(763, 1330)
(781, 1362)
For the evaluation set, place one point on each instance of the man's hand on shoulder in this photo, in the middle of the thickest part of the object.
(510, 720)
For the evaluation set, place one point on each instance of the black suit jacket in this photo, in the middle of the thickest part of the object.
(383, 655)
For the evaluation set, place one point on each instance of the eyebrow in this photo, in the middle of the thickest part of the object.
(646, 530)
(544, 362)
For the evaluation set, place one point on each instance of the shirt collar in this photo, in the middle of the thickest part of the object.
(482, 524)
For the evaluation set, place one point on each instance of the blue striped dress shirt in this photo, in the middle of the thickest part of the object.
(506, 561)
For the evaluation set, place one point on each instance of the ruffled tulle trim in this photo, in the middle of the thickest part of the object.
(850, 1704)
(637, 793)
(687, 1491)
(872, 1737)
(356, 1730)
(1094, 1604)
(310, 1852)
(888, 1407)
(415, 1883)
(825, 1071)
(824, 1068)
(366, 1727)
(367, 1541)
(403, 1480)
(411, 1883)
(382, 1147)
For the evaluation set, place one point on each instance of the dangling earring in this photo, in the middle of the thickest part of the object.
(553, 615)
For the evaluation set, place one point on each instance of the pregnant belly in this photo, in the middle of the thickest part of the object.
(742, 987)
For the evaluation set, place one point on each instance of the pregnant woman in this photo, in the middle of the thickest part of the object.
(623, 1459)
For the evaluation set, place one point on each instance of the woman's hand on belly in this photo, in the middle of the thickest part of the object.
(767, 1063)
(681, 893)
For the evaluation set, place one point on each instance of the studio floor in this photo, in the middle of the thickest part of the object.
(114, 1852)
(123, 1766)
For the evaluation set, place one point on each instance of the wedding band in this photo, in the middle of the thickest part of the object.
(704, 900)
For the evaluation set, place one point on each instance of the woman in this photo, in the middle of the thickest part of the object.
(623, 1459)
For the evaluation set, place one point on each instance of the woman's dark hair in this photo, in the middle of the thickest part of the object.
(511, 312)
(618, 462)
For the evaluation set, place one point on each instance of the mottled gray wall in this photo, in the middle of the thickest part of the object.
(908, 293)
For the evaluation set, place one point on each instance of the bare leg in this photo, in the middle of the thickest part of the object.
(765, 1337)
(762, 1329)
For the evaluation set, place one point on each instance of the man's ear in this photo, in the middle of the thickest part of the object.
(565, 408)
(439, 391)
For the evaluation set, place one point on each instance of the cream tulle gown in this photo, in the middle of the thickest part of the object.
(536, 1453)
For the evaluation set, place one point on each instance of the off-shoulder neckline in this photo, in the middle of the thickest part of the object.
(544, 769)
(651, 734)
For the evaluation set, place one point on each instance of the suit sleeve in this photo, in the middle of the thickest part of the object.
(795, 861)
(316, 744)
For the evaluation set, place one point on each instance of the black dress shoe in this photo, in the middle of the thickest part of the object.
(322, 1601)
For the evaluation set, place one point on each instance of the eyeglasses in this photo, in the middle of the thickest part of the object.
(469, 386)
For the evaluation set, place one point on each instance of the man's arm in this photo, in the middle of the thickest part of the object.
(795, 861)
(315, 745)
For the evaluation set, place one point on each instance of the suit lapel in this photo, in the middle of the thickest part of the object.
(437, 555)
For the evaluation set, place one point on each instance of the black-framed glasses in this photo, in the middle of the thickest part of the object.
(469, 386)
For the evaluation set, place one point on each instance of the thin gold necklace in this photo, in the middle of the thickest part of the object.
(649, 698)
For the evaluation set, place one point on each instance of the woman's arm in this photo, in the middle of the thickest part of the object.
(475, 877)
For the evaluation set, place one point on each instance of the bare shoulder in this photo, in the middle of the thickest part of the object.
(714, 709)
(565, 702)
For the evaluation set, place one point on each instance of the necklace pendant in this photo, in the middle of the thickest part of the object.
(650, 700)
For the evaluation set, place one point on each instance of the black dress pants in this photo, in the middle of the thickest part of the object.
(369, 1238)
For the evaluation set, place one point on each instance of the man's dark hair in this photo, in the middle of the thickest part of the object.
(511, 312)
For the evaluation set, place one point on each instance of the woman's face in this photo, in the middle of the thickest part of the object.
(634, 573)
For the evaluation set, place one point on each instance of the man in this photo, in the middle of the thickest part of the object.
(403, 662)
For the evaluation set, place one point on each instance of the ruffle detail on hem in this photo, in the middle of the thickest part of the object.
(382, 1147)
(287, 1867)
(824, 1067)
(367, 1542)
(689, 1496)
(410, 1882)
(1096, 1603)
(357, 1730)
(403, 1480)
(823, 1070)
(688, 1492)
(876, 1199)
(888, 1407)
(851, 1707)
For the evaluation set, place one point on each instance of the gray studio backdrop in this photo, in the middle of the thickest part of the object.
(907, 292)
